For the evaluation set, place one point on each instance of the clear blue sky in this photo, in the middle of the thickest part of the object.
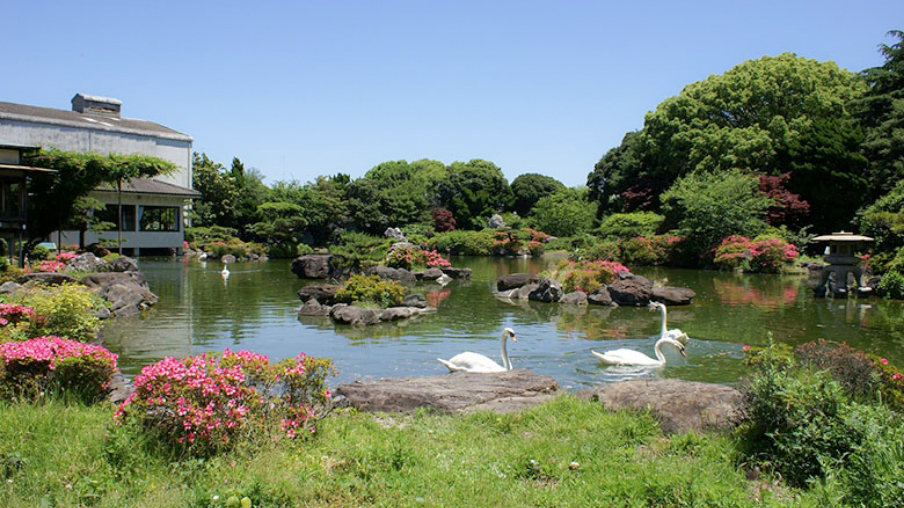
(301, 89)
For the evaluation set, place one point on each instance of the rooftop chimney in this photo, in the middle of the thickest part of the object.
(93, 104)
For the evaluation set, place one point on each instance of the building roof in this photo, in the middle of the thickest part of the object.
(150, 186)
(67, 118)
(843, 236)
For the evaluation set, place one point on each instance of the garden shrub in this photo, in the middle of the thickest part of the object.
(55, 366)
(512, 242)
(607, 250)
(371, 290)
(204, 235)
(465, 243)
(68, 310)
(288, 250)
(892, 285)
(201, 405)
(630, 225)
(358, 251)
(766, 254)
(586, 276)
(802, 423)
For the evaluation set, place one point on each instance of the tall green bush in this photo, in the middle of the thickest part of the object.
(629, 225)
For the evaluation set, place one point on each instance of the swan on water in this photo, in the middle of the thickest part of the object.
(475, 362)
(631, 357)
(674, 333)
(225, 271)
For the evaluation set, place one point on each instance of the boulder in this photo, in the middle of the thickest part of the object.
(46, 279)
(415, 300)
(323, 293)
(631, 289)
(679, 406)
(312, 266)
(8, 287)
(458, 392)
(124, 264)
(388, 273)
(227, 258)
(430, 274)
(395, 233)
(396, 313)
(312, 307)
(671, 295)
(601, 297)
(457, 273)
(357, 316)
(127, 292)
(574, 298)
(496, 222)
(548, 290)
(515, 280)
(88, 262)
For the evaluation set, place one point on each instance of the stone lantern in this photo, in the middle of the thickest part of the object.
(841, 261)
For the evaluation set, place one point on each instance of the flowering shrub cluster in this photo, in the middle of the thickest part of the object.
(513, 242)
(416, 258)
(50, 364)
(67, 256)
(766, 255)
(586, 276)
(207, 403)
(51, 266)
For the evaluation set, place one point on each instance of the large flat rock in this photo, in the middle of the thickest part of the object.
(679, 406)
(457, 392)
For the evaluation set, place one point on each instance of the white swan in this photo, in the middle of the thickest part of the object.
(631, 357)
(475, 362)
(674, 333)
(225, 271)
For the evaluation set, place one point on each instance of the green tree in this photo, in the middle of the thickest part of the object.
(528, 188)
(882, 114)
(219, 194)
(121, 168)
(83, 218)
(774, 115)
(567, 212)
(395, 194)
(708, 207)
(473, 192)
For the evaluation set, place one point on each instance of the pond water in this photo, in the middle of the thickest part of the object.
(254, 309)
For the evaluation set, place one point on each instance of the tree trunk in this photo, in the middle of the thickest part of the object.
(119, 215)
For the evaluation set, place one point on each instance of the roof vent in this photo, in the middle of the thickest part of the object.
(94, 104)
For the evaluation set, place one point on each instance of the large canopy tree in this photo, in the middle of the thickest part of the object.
(528, 188)
(770, 116)
(882, 114)
(474, 191)
(395, 194)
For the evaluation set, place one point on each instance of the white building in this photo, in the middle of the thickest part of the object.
(152, 208)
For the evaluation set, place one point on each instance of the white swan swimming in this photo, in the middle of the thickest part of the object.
(475, 362)
(631, 357)
(674, 333)
(225, 271)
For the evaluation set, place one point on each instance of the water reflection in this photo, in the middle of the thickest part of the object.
(254, 310)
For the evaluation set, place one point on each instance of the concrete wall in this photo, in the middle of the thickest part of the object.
(72, 139)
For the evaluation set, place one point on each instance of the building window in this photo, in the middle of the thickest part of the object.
(11, 199)
(108, 214)
(159, 218)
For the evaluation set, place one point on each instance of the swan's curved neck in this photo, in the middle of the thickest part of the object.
(504, 347)
(658, 350)
(662, 329)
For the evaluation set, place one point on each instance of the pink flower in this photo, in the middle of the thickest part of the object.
(884, 361)
(746, 348)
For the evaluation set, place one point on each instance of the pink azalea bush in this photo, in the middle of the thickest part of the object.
(766, 255)
(51, 266)
(50, 364)
(416, 258)
(203, 404)
(513, 242)
(66, 257)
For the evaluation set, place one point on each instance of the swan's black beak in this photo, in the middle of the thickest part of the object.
(513, 338)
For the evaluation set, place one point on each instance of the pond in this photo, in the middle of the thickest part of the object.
(254, 309)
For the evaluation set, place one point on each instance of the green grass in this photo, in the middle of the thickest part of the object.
(56, 455)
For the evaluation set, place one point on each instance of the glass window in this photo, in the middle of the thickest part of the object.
(11, 199)
(159, 218)
(108, 214)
